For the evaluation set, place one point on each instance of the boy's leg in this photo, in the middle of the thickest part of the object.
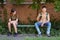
(48, 24)
(37, 24)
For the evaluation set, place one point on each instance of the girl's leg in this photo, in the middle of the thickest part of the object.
(9, 26)
(15, 26)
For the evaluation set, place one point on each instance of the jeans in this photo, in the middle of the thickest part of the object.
(48, 25)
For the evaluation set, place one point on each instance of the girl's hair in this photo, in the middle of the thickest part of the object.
(12, 10)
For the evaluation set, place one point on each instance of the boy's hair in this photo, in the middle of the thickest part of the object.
(43, 7)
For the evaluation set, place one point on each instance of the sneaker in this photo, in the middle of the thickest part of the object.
(15, 34)
(9, 34)
(39, 35)
(48, 35)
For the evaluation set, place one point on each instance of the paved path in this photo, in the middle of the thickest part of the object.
(19, 37)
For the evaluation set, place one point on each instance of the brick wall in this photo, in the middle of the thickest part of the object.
(24, 11)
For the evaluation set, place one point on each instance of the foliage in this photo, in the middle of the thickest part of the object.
(57, 5)
(0, 17)
(1, 22)
(50, 1)
(36, 4)
(2, 2)
(16, 2)
(3, 25)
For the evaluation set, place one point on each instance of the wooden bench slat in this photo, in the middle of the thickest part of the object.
(25, 25)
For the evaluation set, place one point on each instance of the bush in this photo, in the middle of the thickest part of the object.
(3, 24)
(57, 5)
(16, 2)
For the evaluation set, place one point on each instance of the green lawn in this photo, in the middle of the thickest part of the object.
(43, 38)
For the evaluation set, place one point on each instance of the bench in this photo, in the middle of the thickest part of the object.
(25, 25)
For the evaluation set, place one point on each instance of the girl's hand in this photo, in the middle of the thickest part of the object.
(9, 20)
(16, 20)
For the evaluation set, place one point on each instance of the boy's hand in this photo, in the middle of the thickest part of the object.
(42, 25)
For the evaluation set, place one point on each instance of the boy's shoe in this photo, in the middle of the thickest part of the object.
(9, 34)
(15, 34)
(39, 35)
(48, 35)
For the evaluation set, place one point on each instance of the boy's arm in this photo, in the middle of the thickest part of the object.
(48, 18)
(38, 17)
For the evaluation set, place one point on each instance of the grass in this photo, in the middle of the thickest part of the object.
(43, 38)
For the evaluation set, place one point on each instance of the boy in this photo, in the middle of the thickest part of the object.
(43, 18)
